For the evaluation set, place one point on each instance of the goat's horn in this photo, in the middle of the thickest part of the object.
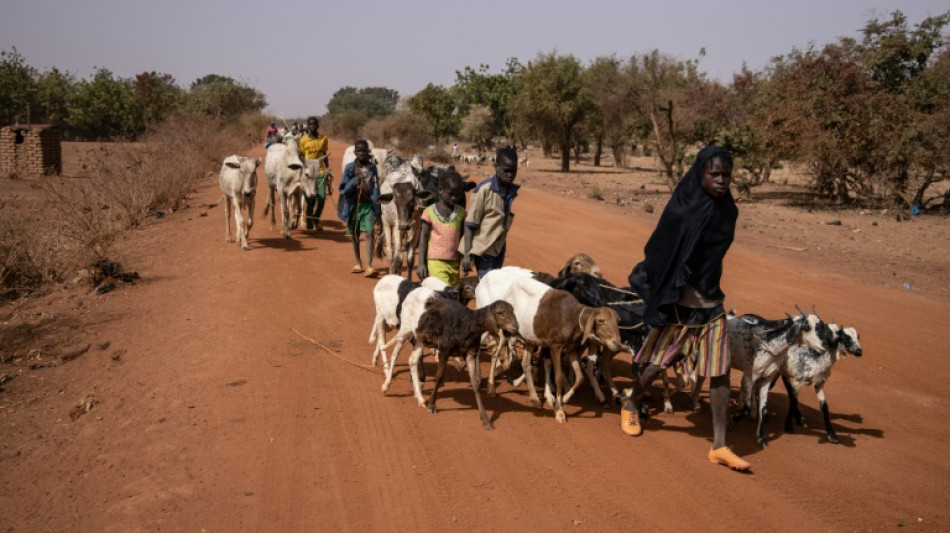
(813, 310)
(800, 310)
(790, 316)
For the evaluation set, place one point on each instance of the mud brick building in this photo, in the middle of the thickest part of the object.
(30, 150)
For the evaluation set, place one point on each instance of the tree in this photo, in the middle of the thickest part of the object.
(105, 107)
(370, 101)
(614, 99)
(438, 106)
(494, 91)
(158, 96)
(550, 97)
(17, 87)
(478, 126)
(221, 96)
(659, 82)
(55, 94)
(894, 54)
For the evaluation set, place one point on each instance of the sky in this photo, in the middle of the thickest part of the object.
(299, 53)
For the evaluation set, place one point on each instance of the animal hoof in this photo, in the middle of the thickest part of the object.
(385, 388)
(432, 410)
(537, 404)
(287, 237)
(668, 409)
(833, 439)
(560, 417)
(245, 248)
(487, 425)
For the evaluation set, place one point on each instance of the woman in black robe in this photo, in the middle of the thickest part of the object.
(679, 283)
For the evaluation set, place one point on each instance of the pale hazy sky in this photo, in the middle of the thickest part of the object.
(299, 53)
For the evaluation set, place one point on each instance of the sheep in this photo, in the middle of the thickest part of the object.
(580, 263)
(453, 329)
(595, 292)
(409, 302)
(551, 318)
(805, 365)
(238, 182)
(390, 293)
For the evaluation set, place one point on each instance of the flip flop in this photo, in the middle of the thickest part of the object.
(370, 272)
(356, 270)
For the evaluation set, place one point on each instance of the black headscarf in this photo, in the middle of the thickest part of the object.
(688, 244)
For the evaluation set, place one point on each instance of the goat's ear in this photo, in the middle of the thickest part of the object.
(469, 185)
(425, 196)
(232, 164)
(295, 166)
(589, 324)
(384, 198)
(257, 162)
(564, 272)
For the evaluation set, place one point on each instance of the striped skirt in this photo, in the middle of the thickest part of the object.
(703, 349)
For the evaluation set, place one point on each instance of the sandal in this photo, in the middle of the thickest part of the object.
(356, 270)
(724, 456)
(370, 272)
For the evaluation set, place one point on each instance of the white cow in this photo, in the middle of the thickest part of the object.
(238, 182)
(290, 178)
(377, 156)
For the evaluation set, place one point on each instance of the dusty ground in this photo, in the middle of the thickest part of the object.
(228, 390)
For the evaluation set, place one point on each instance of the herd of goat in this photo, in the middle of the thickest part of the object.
(572, 325)
(566, 327)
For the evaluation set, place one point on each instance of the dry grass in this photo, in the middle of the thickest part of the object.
(70, 222)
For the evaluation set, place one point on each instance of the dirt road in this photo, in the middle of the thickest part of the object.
(233, 395)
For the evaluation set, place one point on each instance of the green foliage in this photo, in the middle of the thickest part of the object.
(407, 131)
(551, 99)
(894, 54)
(494, 91)
(369, 101)
(221, 96)
(105, 107)
(55, 94)
(438, 106)
(158, 96)
(17, 87)
(478, 126)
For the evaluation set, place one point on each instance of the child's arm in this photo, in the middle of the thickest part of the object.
(423, 268)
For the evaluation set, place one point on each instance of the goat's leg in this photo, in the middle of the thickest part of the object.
(378, 335)
(825, 414)
(762, 391)
(609, 379)
(548, 388)
(558, 385)
(589, 370)
(529, 377)
(696, 387)
(496, 354)
(474, 373)
(794, 416)
(399, 341)
(578, 379)
(414, 360)
(667, 404)
(745, 397)
(439, 375)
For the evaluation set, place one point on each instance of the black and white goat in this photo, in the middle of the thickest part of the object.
(806, 366)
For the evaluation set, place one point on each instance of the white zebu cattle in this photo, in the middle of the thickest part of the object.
(287, 176)
(402, 198)
(238, 182)
(377, 156)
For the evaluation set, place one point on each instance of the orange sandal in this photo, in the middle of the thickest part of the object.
(725, 456)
